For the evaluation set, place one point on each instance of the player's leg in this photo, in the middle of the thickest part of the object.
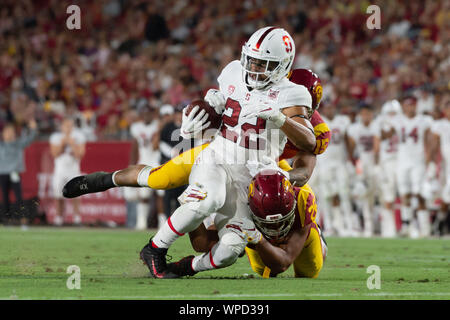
(310, 261)
(5, 186)
(423, 214)
(172, 174)
(404, 190)
(203, 197)
(387, 195)
(57, 183)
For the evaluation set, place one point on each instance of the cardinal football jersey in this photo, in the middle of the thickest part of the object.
(364, 138)
(241, 139)
(143, 134)
(411, 131)
(337, 149)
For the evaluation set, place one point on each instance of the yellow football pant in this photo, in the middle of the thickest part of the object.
(307, 265)
(175, 172)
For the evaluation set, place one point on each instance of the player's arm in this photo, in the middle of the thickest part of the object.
(57, 148)
(298, 128)
(376, 148)
(351, 145)
(202, 240)
(78, 149)
(303, 166)
(278, 259)
(428, 137)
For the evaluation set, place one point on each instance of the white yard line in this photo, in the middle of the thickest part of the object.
(232, 295)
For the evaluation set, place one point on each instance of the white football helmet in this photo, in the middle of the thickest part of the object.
(391, 107)
(267, 57)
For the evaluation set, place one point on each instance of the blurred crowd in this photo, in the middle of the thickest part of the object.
(133, 54)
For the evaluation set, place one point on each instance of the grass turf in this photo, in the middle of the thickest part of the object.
(33, 265)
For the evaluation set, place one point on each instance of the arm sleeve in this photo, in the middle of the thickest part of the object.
(297, 96)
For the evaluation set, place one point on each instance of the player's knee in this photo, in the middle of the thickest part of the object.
(230, 248)
(310, 271)
(211, 203)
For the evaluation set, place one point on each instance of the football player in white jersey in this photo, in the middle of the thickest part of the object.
(413, 158)
(363, 146)
(387, 182)
(260, 109)
(332, 177)
(441, 135)
(145, 133)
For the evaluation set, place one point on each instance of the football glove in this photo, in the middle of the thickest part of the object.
(267, 112)
(245, 229)
(216, 99)
(193, 125)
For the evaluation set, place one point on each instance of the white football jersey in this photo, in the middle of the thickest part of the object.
(143, 134)
(66, 161)
(388, 146)
(411, 131)
(364, 138)
(337, 149)
(241, 139)
(441, 127)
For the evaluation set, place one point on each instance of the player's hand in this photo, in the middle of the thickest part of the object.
(267, 112)
(245, 229)
(193, 125)
(216, 100)
(256, 166)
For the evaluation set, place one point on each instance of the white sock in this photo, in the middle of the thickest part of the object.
(184, 219)
(406, 214)
(337, 220)
(423, 217)
(387, 223)
(142, 215)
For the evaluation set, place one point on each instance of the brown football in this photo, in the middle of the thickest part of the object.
(214, 117)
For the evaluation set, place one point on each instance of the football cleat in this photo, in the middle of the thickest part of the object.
(183, 267)
(81, 185)
(155, 260)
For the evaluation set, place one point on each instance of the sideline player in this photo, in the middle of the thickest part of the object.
(363, 147)
(146, 146)
(286, 230)
(414, 156)
(333, 185)
(441, 134)
(387, 182)
(67, 148)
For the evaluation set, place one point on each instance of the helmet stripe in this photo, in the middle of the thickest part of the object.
(264, 35)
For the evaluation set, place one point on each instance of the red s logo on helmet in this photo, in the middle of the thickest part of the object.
(287, 43)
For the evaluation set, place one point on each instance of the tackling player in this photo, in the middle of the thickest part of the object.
(286, 231)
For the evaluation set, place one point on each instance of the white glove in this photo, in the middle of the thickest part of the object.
(267, 112)
(192, 127)
(216, 100)
(254, 167)
(245, 229)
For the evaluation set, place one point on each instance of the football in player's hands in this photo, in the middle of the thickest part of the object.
(213, 117)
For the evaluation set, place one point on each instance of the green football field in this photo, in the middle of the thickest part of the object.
(34, 264)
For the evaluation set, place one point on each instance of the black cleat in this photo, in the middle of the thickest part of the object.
(90, 183)
(183, 267)
(155, 260)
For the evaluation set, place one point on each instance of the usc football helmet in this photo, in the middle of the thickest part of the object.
(271, 199)
(267, 57)
(311, 81)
